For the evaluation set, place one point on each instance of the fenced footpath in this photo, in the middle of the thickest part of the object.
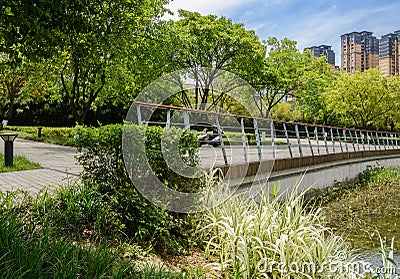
(248, 139)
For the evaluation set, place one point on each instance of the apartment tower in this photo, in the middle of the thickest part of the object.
(323, 50)
(389, 54)
(359, 51)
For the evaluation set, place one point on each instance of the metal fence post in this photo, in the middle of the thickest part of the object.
(368, 141)
(387, 141)
(258, 142)
(325, 140)
(352, 140)
(333, 141)
(245, 149)
(362, 140)
(391, 140)
(298, 139)
(139, 115)
(345, 141)
(340, 141)
(168, 123)
(287, 140)
(383, 141)
(373, 141)
(271, 125)
(316, 138)
(186, 120)
(309, 141)
(377, 139)
(358, 144)
(220, 136)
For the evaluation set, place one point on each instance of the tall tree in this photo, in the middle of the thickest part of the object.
(310, 96)
(364, 98)
(281, 76)
(216, 43)
(84, 38)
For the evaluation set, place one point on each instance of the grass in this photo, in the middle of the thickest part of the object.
(34, 243)
(54, 135)
(20, 163)
(366, 208)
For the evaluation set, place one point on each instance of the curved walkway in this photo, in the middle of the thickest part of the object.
(58, 162)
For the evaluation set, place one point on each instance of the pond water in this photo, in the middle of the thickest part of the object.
(373, 261)
(366, 213)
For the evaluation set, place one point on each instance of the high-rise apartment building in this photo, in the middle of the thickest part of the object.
(323, 50)
(359, 51)
(389, 54)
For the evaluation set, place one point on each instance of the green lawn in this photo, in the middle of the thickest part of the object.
(54, 135)
(20, 163)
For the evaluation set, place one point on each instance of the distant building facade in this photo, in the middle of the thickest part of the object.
(359, 51)
(323, 50)
(389, 54)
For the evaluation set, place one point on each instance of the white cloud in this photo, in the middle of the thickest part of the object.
(218, 7)
(239, 9)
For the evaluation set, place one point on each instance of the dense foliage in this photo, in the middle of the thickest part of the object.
(104, 170)
(82, 40)
(95, 58)
(67, 235)
(365, 100)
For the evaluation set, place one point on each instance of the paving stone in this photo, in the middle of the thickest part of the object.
(58, 162)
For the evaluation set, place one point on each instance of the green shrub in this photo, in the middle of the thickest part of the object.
(55, 135)
(103, 168)
(286, 111)
(35, 241)
(370, 173)
(29, 248)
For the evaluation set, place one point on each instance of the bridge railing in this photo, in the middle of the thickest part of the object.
(246, 139)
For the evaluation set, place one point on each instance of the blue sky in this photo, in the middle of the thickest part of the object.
(307, 22)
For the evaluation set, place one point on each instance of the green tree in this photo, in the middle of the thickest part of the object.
(84, 38)
(213, 42)
(19, 84)
(391, 120)
(286, 111)
(282, 74)
(310, 96)
(364, 98)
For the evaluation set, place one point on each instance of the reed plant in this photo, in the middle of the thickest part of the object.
(271, 236)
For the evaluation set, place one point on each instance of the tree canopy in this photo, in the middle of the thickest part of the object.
(364, 99)
(215, 43)
(83, 38)
(310, 96)
(282, 74)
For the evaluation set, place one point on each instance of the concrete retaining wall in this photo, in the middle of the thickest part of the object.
(252, 168)
(315, 172)
(326, 175)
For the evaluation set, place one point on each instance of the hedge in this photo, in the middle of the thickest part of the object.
(103, 168)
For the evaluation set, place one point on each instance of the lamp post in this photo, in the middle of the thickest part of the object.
(8, 148)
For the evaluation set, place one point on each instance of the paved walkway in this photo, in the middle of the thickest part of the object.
(58, 162)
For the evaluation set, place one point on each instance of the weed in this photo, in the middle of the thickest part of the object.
(20, 163)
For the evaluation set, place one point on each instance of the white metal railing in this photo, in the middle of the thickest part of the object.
(248, 138)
